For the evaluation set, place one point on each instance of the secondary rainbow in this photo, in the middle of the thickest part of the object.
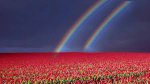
(77, 24)
(105, 23)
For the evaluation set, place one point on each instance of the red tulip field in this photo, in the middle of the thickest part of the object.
(75, 68)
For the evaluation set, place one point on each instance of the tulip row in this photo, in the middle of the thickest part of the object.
(100, 69)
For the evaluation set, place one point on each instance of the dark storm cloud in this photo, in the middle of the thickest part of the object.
(39, 25)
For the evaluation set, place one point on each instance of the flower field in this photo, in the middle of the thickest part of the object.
(75, 68)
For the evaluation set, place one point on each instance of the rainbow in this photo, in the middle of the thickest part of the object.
(105, 23)
(77, 24)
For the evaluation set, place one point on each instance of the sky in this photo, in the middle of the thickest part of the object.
(40, 25)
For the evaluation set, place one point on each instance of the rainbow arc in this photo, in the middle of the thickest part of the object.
(77, 24)
(105, 22)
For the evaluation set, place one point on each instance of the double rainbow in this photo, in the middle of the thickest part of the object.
(106, 21)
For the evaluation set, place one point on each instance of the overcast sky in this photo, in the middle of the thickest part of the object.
(39, 25)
